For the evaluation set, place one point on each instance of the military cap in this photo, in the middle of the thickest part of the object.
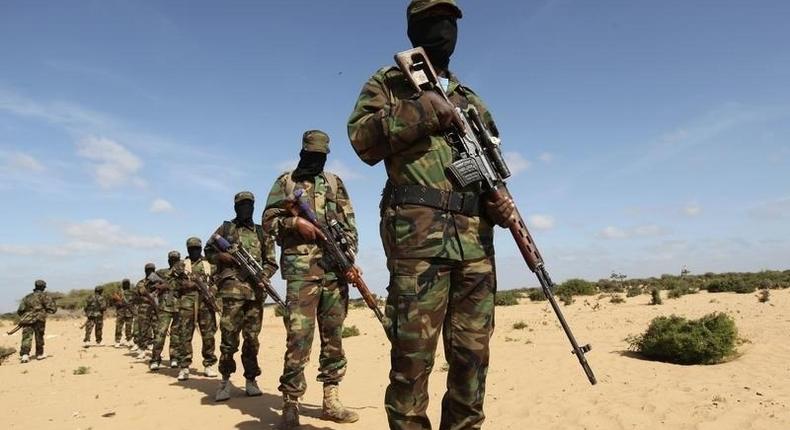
(418, 6)
(40, 283)
(150, 266)
(173, 255)
(243, 195)
(315, 141)
(194, 242)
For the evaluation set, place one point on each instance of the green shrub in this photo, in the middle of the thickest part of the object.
(519, 325)
(536, 295)
(633, 291)
(675, 339)
(577, 287)
(764, 297)
(726, 285)
(617, 299)
(6, 352)
(506, 298)
(566, 299)
(82, 370)
(350, 331)
(655, 297)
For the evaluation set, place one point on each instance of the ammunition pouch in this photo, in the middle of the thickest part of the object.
(452, 201)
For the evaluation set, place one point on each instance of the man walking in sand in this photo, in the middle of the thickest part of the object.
(313, 292)
(124, 314)
(33, 309)
(94, 312)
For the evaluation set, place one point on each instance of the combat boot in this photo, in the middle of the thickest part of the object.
(209, 372)
(333, 409)
(251, 388)
(183, 374)
(41, 356)
(173, 363)
(24, 358)
(154, 366)
(135, 348)
(223, 393)
(290, 417)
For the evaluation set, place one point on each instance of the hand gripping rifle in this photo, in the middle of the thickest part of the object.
(203, 290)
(481, 162)
(26, 319)
(337, 252)
(249, 265)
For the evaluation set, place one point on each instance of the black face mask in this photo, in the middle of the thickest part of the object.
(148, 272)
(437, 35)
(311, 164)
(195, 253)
(244, 210)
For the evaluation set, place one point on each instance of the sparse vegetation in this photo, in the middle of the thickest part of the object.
(6, 352)
(633, 291)
(764, 296)
(655, 297)
(82, 370)
(708, 340)
(519, 325)
(577, 287)
(536, 295)
(566, 299)
(350, 331)
(617, 299)
(507, 298)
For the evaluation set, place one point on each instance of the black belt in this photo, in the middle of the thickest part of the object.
(463, 203)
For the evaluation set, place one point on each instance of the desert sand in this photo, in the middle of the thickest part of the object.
(534, 382)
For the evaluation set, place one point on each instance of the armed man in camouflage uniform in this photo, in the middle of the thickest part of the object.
(438, 237)
(124, 314)
(36, 304)
(242, 299)
(146, 312)
(193, 307)
(94, 310)
(313, 291)
(167, 312)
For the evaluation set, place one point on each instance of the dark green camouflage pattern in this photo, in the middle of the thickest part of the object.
(193, 310)
(168, 314)
(146, 316)
(426, 297)
(94, 310)
(124, 316)
(308, 300)
(39, 304)
(389, 124)
(299, 259)
(418, 6)
(240, 317)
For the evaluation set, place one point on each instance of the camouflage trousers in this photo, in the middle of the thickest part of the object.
(123, 325)
(92, 323)
(28, 333)
(426, 297)
(240, 317)
(146, 322)
(168, 322)
(308, 301)
(207, 324)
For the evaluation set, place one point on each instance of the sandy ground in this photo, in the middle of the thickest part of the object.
(534, 382)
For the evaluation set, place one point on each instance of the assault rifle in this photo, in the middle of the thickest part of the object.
(338, 254)
(203, 290)
(120, 299)
(26, 319)
(248, 264)
(481, 162)
(155, 280)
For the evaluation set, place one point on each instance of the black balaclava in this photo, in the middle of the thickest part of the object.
(437, 35)
(148, 272)
(125, 284)
(244, 210)
(311, 164)
(195, 253)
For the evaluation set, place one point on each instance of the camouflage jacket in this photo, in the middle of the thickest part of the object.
(389, 124)
(125, 306)
(231, 280)
(203, 269)
(95, 306)
(167, 293)
(299, 260)
(145, 293)
(39, 304)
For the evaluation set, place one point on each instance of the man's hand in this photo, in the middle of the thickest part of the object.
(225, 259)
(500, 211)
(306, 230)
(444, 111)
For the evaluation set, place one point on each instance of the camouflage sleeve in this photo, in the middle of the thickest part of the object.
(23, 307)
(51, 305)
(276, 219)
(379, 128)
(269, 257)
(349, 220)
(209, 250)
(102, 304)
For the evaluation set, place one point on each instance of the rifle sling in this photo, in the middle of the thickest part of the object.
(452, 201)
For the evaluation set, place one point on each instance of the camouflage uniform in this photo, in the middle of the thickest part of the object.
(124, 315)
(94, 310)
(440, 252)
(242, 300)
(39, 304)
(191, 308)
(312, 291)
(167, 311)
(146, 315)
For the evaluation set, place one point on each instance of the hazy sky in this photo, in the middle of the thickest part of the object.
(644, 135)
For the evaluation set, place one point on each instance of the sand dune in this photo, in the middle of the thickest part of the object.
(534, 382)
